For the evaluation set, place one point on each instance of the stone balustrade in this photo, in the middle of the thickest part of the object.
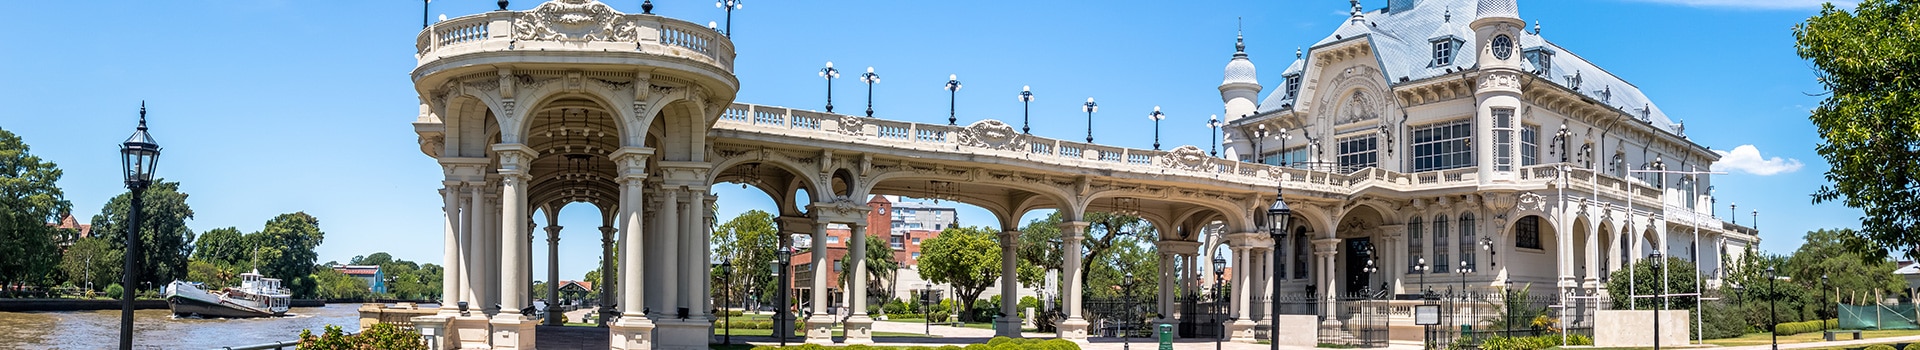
(582, 25)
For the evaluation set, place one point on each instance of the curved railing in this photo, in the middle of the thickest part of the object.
(996, 139)
(559, 26)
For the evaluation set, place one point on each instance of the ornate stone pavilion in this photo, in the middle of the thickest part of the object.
(1395, 143)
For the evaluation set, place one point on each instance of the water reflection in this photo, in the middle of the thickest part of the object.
(158, 329)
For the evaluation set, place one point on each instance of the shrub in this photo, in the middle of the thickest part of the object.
(894, 306)
(1882, 347)
(380, 336)
(114, 291)
(1913, 346)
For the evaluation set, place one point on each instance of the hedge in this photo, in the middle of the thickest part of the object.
(1791, 328)
(1532, 343)
(997, 343)
(1913, 346)
(745, 324)
(1883, 347)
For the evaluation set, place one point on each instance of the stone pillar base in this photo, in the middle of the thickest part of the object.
(512, 332)
(682, 334)
(859, 330)
(436, 329)
(820, 329)
(632, 332)
(1241, 331)
(1007, 326)
(1074, 329)
(470, 332)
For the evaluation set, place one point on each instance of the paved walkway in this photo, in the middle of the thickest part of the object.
(1829, 344)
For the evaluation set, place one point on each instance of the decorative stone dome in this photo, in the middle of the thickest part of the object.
(1240, 69)
(1499, 8)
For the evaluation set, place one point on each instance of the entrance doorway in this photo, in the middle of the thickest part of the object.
(1358, 251)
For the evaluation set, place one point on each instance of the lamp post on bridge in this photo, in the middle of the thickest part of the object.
(1156, 116)
(729, 5)
(870, 78)
(138, 156)
(953, 93)
(1213, 133)
(1026, 102)
(1090, 107)
(829, 73)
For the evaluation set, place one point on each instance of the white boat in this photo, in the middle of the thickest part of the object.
(257, 296)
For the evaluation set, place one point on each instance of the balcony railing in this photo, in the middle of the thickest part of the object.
(561, 26)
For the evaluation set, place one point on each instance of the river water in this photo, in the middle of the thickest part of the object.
(158, 329)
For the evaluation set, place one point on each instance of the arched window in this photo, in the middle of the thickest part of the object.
(1414, 244)
(1440, 244)
(1300, 252)
(1467, 245)
(1527, 233)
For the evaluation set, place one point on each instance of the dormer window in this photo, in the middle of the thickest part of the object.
(1293, 85)
(1541, 58)
(1443, 52)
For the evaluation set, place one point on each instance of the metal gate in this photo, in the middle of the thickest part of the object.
(1204, 315)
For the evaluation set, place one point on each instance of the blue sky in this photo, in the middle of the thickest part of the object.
(275, 106)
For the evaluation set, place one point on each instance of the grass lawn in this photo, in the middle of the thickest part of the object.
(1767, 338)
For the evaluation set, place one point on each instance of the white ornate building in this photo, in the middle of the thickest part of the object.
(1428, 130)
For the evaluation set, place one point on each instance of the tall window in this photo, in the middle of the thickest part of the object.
(1527, 233)
(1440, 243)
(1443, 52)
(1293, 85)
(1502, 139)
(1300, 254)
(1358, 152)
(1529, 145)
(1414, 243)
(1466, 242)
(1689, 190)
(1286, 156)
(1443, 146)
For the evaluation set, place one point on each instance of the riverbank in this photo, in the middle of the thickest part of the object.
(49, 305)
(160, 329)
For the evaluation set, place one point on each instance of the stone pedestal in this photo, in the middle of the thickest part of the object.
(1296, 330)
(1634, 328)
(634, 332)
(682, 334)
(859, 330)
(436, 329)
(820, 329)
(1241, 331)
(1074, 329)
(512, 332)
(1007, 326)
(470, 332)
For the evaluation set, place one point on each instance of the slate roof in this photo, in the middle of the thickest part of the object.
(1402, 42)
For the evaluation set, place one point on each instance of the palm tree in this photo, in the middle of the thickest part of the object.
(880, 270)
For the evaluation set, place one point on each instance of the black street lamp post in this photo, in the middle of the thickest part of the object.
(1156, 116)
(1507, 296)
(1026, 101)
(1219, 278)
(1213, 132)
(869, 77)
(953, 92)
(782, 317)
(1773, 315)
(1463, 270)
(1278, 215)
(1090, 107)
(1657, 309)
(1126, 325)
(729, 5)
(138, 156)
(1426, 294)
(829, 73)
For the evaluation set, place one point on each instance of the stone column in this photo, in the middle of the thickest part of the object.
(450, 254)
(490, 257)
(1593, 258)
(607, 273)
(1326, 249)
(1071, 233)
(1163, 297)
(1266, 286)
(553, 274)
(859, 326)
(476, 248)
(1008, 325)
(1241, 329)
(669, 240)
(511, 328)
(634, 331)
(819, 323)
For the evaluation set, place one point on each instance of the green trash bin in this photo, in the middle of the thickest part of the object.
(1166, 336)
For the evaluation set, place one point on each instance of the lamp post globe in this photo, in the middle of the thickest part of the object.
(729, 5)
(1213, 133)
(138, 156)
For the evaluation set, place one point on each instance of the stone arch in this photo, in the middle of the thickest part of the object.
(763, 157)
(470, 124)
(1579, 232)
(681, 137)
(1235, 223)
(555, 88)
(1540, 266)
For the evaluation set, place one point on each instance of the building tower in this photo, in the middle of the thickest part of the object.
(1238, 91)
(1497, 28)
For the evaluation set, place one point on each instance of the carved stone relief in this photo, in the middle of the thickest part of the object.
(992, 134)
(573, 20)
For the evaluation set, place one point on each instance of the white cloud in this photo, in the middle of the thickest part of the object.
(1746, 158)
(1756, 4)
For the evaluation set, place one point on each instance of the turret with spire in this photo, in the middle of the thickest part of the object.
(1241, 88)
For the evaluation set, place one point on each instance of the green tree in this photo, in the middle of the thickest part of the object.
(748, 243)
(1115, 244)
(1870, 120)
(213, 275)
(91, 259)
(1835, 273)
(330, 284)
(966, 258)
(1645, 282)
(165, 240)
(287, 248)
(29, 199)
(225, 246)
